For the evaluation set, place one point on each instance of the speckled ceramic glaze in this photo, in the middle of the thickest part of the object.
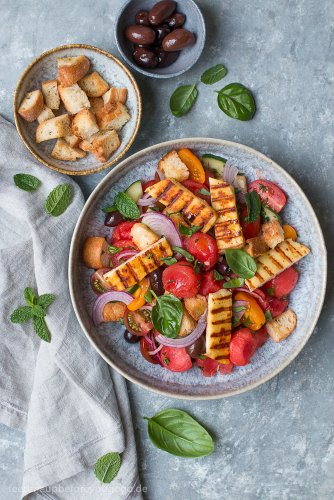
(188, 56)
(306, 299)
(45, 68)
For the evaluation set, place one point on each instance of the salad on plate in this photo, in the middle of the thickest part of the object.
(198, 266)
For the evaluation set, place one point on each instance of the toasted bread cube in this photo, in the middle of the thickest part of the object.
(63, 151)
(60, 126)
(114, 119)
(51, 94)
(74, 98)
(46, 114)
(102, 144)
(93, 84)
(96, 104)
(72, 69)
(31, 106)
(187, 324)
(84, 124)
(72, 140)
(272, 233)
(282, 326)
(143, 236)
(256, 246)
(113, 95)
(196, 306)
(173, 167)
(113, 311)
(95, 252)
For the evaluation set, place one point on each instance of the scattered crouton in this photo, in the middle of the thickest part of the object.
(114, 119)
(60, 126)
(187, 324)
(94, 252)
(31, 106)
(96, 104)
(282, 326)
(63, 151)
(84, 124)
(51, 94)
(102, 144)
(94, 85)
(113, 311)
(74, 98)
(72, 140)
(72, 69)
(256, 246)
(172, 167)
(113, 95)
(143, 236)
(272, 233)
(196, 306)
(46, 114)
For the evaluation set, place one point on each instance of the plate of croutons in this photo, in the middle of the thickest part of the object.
(77, 109)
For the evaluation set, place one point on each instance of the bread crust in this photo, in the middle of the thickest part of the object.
(94, 85)
(31, 106)
(63, 151)
(72, 69)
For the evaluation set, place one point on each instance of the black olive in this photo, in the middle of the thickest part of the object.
(156, 282)
(131, 339)
(113, 219)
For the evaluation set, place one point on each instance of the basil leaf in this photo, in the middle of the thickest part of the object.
(107, 210)
(234, 283)
(45, 300)
(21, 314)
(107, 467)
(183, 99)
(58, 200)
(214, 74)
(241, 263)
(178, 433)
(126, 206)
(205, 192)
(216, 275)
(253, 204)
(113, 250)
(185, 254)
(30, 296)
(41, 329)
(268, 315)
(167, 315)
(189, 230)
(26, 182)
(169, 260)
(237, 101)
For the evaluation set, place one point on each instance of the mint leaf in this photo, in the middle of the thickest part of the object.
(38, 311)
(107, 467)
(214, 74)
(26, 182)
(126, 206)
(45, 300)
(21, 314)
(58, 200)
(41, 329)
(30, 296)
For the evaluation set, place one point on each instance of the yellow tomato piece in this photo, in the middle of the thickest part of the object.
(254, 317)
(193, 164)
(289, 232)
(139, 295)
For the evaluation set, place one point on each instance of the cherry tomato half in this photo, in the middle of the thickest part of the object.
(144, 350)
(175, 359)
(277, 306)
(204, 248)
(261, 337)
(242, 347)
(209, 284)
(138, 322)
(196, 188)
(193, 164)
(180, 280)
(282, 284)
(254, 316)
(269, 193)
(123, 231)
(249, 229)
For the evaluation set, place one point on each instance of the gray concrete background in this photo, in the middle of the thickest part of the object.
(277, 441)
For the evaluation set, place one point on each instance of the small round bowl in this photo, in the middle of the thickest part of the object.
(188, 56)
(45, 68)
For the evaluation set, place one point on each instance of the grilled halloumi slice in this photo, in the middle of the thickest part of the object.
(219, 326)
(272, 263)
(177, 198)
(135, 269)
(228, 231)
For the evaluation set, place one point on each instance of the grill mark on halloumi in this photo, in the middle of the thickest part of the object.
(219, 325)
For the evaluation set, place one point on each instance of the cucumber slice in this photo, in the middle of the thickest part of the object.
(268, 214)
(135, 191)
(214, 163)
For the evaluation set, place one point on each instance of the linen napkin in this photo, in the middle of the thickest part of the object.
(72, 407)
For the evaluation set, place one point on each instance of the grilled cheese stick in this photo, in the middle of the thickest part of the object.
(272, 263)
(139, 266)
(228, 231)
(177, 198)
(219, 326)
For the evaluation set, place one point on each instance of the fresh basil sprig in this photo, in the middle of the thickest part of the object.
(169, 260)
(189, 230)
(107, 467)
(183, 99)
(176, 432)
(234, 283)
(214, 74)
(241, 263)
(236, 101)
(59, 199)
(167, 315)
(26, 182)
(254, 205)
(182, 251)
(126, 206)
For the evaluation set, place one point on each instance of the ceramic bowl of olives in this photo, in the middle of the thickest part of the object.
(160, 39)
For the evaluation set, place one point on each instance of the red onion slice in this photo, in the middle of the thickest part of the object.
(230, 172)
(152, 353)
(150, 342)
(163, 226)
(146, 201)
(185, 341)
(103, 299)
(239, 303)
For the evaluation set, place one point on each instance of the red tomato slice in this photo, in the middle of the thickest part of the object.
(144, 349)
(175, 359)
(124, 245)
(224, 369)
(180, 280)
(261, 337)
(204, 248)
(209, 284)
(242, 347)
(137, 323)
(277, 306)
(195, 187)
(249, 229)
(283, 284)
(269, 193)
(123, 231)
(148, 184)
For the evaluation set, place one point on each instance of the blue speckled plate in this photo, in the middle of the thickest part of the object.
(306, 300)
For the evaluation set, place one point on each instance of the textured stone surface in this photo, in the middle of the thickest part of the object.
(277, 441)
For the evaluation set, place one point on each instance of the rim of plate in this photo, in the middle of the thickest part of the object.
(74, 243)
(33, 151)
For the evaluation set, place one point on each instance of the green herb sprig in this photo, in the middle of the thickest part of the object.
(26, 182)
(167, 315)
(107, 467)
